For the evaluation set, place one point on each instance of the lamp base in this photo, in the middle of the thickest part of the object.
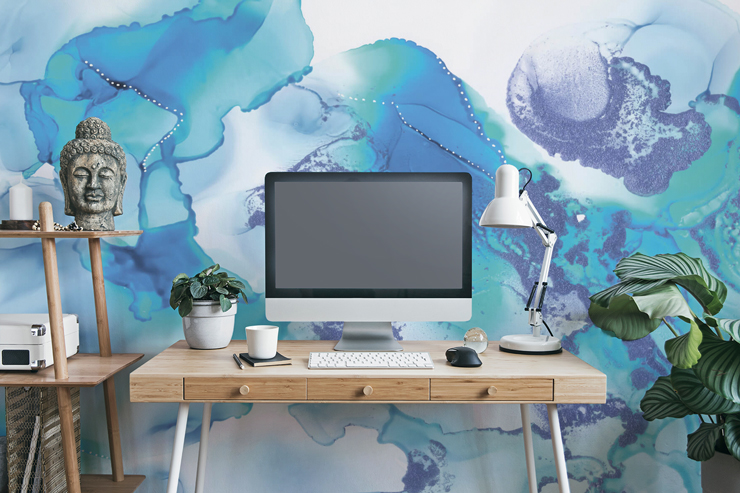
(528, 344)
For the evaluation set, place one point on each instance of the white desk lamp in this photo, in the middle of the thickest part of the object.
(512, 209)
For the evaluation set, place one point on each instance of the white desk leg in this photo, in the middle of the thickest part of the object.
(205, 427)
(177, 448)
(528, 448)
(557, 448)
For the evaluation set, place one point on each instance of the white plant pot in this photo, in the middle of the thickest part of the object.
(207, 327)
(720, 474)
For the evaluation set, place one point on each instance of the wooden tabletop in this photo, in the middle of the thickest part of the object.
(9, 233)
(85, 370)
(164, 377)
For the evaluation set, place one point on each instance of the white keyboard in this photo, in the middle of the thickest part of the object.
(342, 360)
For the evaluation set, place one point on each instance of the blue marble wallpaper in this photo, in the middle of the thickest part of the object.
(626, 112)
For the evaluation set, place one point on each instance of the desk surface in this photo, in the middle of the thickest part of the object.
(181, 374)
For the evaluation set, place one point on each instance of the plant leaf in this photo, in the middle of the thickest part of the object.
(732, 434)
(702, 442)
(683, 351)
(623, 318)
(179, 277)
(634, 286)
(221, 290)
(719, 366)
(237, 284)
(663, 301)
(197, 290)
(211, 280)
(186, 306)
(683, 270)
(661, 401)
(176, 294)
(225, 303)
(697, 397)
(728, 325)
(245, 297)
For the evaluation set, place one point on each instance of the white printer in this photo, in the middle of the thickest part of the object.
(25, 340)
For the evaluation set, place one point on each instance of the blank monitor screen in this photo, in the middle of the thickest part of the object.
(377, 232)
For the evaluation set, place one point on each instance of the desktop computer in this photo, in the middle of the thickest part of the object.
(368, 249)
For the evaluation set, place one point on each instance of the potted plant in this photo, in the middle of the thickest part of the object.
(704, 353)
(207, 305)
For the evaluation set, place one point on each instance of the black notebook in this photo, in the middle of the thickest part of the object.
(279, 359)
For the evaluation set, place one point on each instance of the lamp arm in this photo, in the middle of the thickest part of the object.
(548, 238)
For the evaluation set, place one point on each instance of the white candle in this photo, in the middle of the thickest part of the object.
(21, 203)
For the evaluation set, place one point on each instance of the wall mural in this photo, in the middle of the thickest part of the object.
(627, 114)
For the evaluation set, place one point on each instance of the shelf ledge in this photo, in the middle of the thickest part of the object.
(9, 233)
(85, 370)
(103, 483)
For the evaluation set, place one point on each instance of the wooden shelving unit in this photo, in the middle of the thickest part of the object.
(80, 370)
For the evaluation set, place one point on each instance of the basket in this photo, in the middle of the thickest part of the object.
(35, 456)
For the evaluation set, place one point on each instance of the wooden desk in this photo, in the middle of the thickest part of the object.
(182, 375)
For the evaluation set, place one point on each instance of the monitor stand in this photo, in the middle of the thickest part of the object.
(367, 336)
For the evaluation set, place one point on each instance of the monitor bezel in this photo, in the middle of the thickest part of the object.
(271, 291)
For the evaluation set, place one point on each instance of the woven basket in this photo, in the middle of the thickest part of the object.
(44, 472)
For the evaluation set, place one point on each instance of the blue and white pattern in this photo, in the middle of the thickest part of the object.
(626, 112)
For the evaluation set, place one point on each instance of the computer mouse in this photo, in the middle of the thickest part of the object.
(463, 356)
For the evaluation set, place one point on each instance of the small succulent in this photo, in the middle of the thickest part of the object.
(208, 285)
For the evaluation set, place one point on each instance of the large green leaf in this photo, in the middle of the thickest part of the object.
(197, 290)
(661, 401)
(623, 318)
(186, 306)
(634, 286)
(730, 326)
(177, 293)
(683, 270)
(719, 366)
(732, 434)
(702, 442)
(225, 303)
(237, 284)
(663, 301)
(180, 277)
(211, 280)
(697, 397)
(683, 351)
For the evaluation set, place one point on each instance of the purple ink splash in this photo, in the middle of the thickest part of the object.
(630, 137)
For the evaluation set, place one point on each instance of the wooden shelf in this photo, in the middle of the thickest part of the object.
(85, 370)
(8, 233)
(103, 483)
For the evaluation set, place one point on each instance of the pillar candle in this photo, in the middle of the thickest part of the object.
(21, 203)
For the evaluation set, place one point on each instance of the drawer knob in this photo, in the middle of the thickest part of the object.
(368, 390)
(492, 390)
(244, 390)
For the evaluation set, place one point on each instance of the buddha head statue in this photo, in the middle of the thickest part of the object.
(92, 169)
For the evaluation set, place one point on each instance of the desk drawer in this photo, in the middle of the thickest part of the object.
(245, 389)
(504, 389)
(368, 389)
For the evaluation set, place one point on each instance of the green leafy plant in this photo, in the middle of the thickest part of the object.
(208, 285)
(705, 377)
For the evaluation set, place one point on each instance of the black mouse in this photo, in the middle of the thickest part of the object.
(463, 356)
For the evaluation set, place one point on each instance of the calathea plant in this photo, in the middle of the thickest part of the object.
(208, 285)
(705, 353)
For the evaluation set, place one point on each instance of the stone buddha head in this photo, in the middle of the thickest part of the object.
(92, 169)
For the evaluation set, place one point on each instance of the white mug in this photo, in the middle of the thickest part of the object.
(262, 341)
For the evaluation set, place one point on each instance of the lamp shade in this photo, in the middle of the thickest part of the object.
(506, 210)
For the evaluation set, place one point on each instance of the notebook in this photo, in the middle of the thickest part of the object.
(279, 359)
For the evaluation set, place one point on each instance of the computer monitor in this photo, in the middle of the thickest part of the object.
(368, 249)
